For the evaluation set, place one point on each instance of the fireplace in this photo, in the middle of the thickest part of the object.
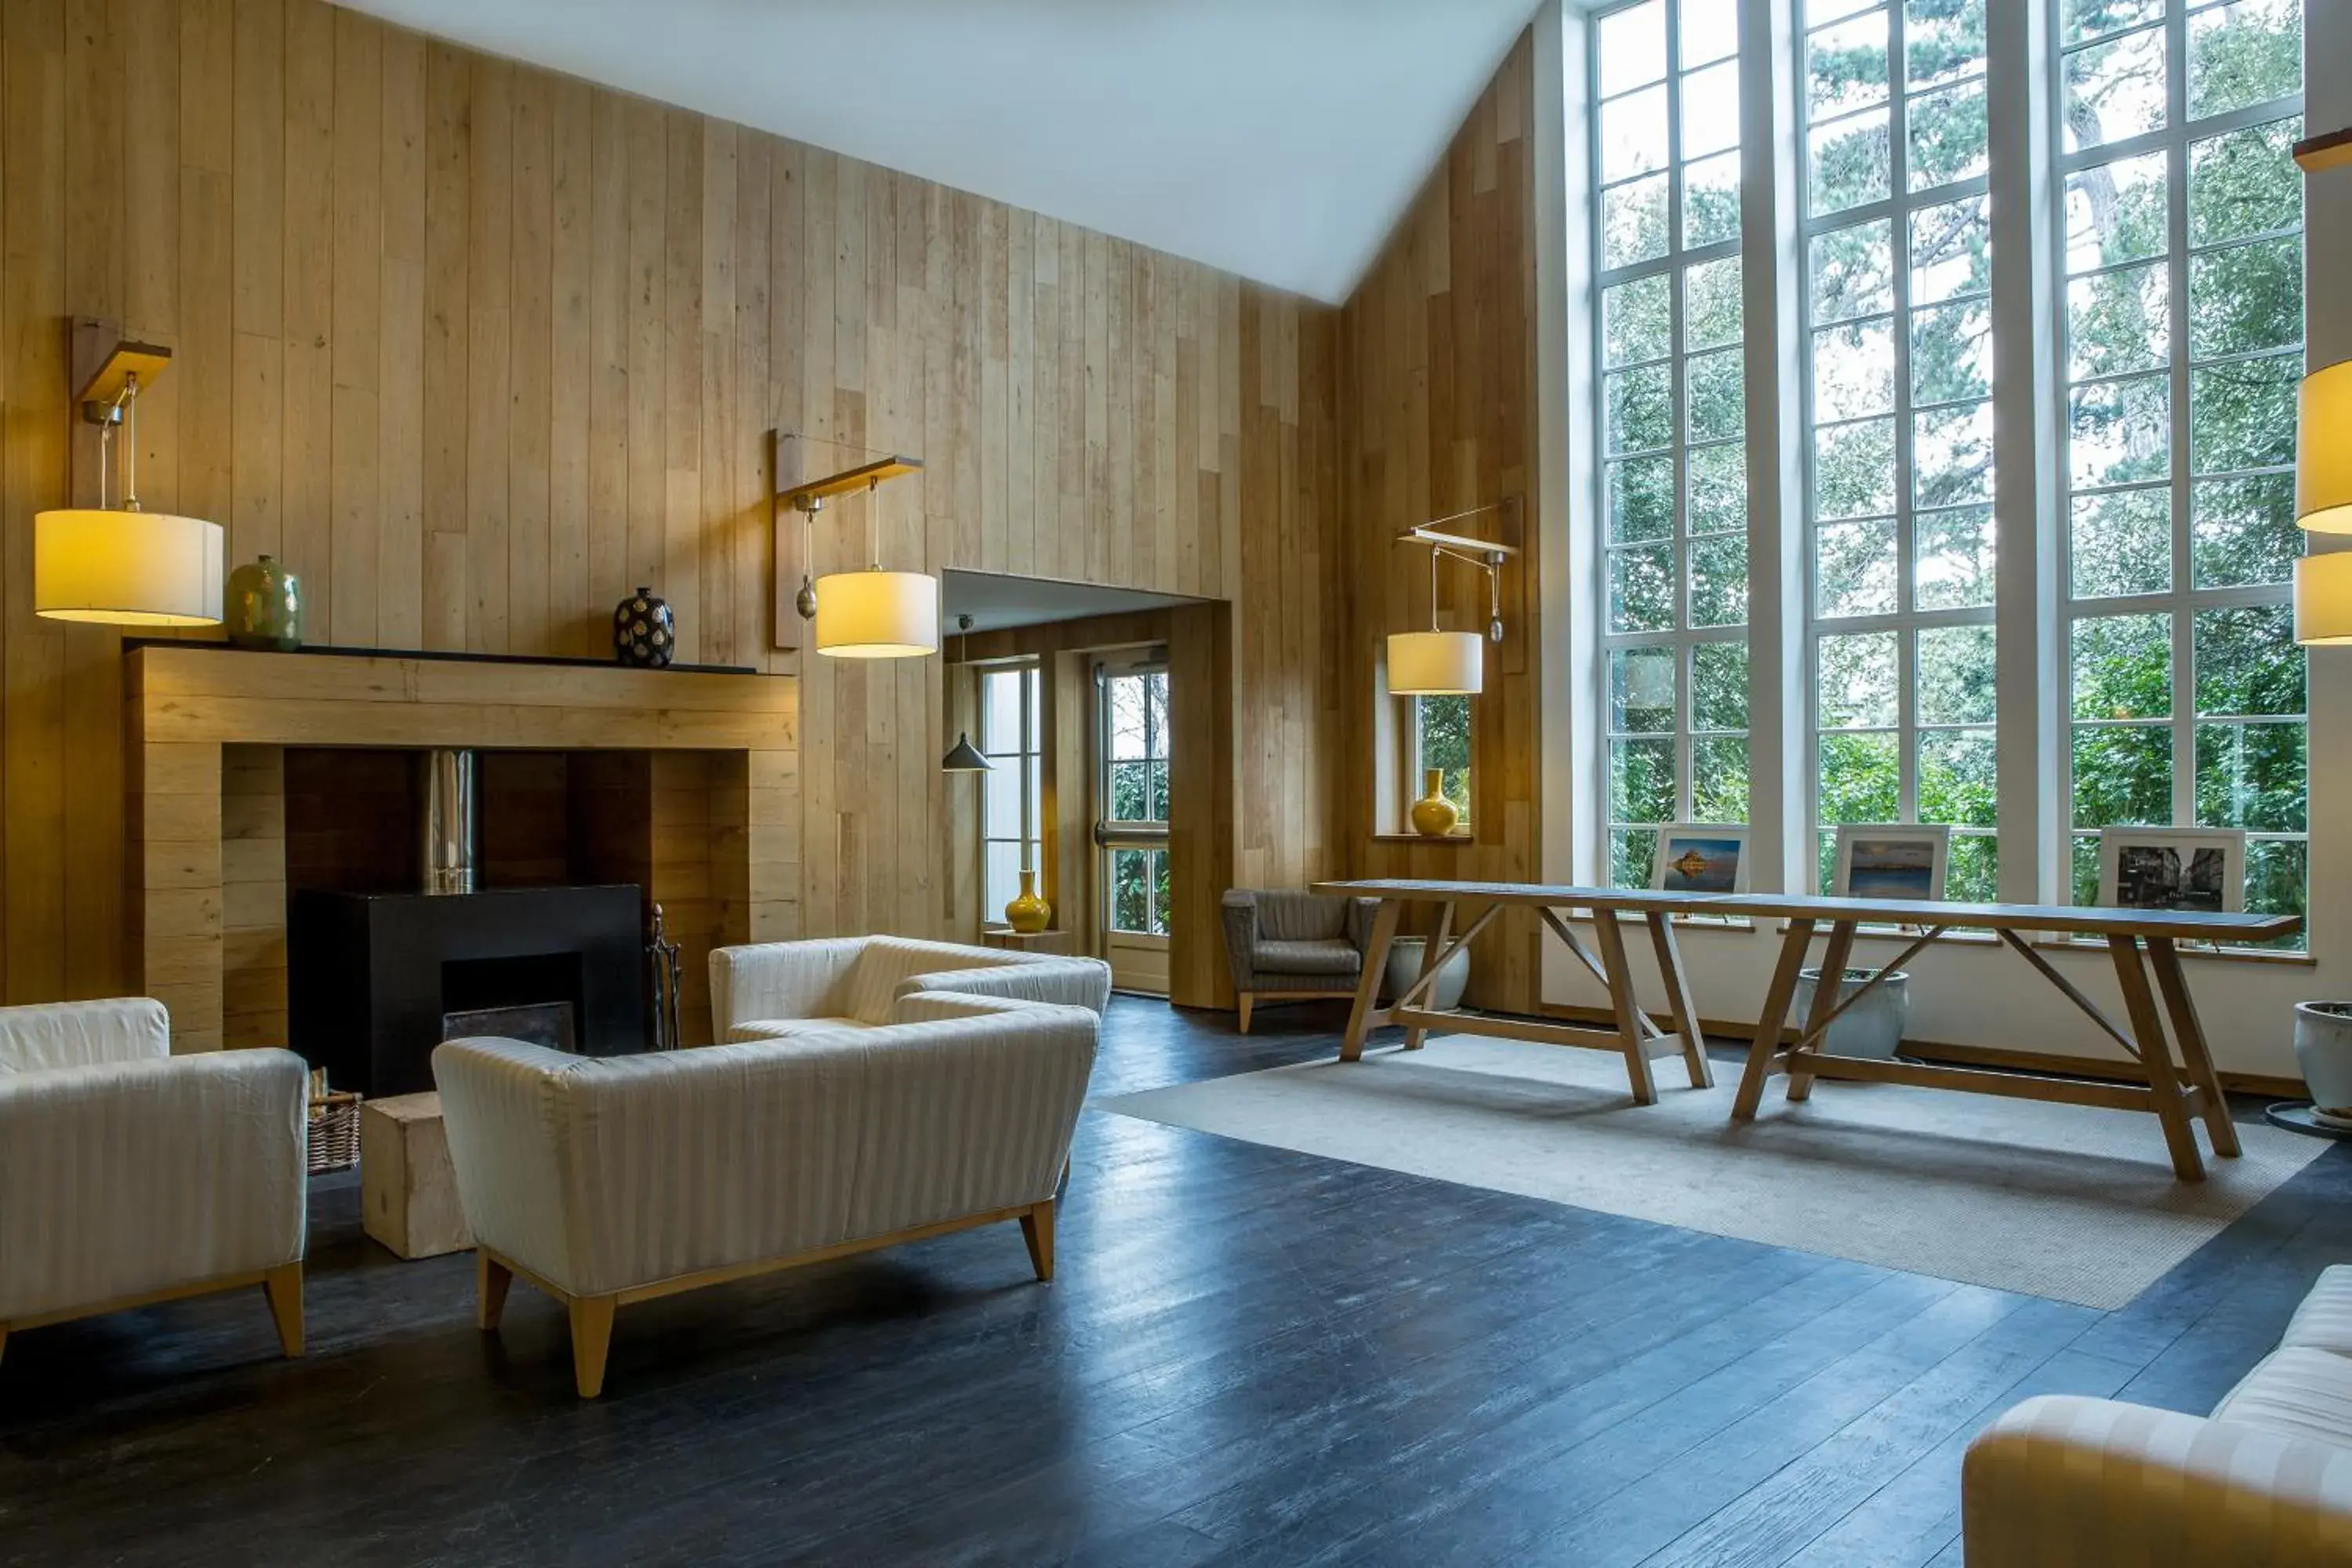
(377, 980)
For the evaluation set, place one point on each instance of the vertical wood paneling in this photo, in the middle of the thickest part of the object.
(475, 349)
(1438, 345)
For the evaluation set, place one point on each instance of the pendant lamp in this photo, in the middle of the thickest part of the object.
(125, 566)
(963, 757)
(875, 613)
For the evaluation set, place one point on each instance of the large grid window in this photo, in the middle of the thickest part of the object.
(1673, 429)
(2181, 247)
(1011, 738)
(1897, 262)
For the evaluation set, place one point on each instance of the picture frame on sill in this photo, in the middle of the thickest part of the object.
(1890, 860)
(2201, 869)
(1700, 858)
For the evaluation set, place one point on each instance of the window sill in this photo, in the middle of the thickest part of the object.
(1966, 937)
(1448, 840)
(2188, 950)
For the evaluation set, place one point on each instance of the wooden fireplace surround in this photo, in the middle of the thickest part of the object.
(208, 727)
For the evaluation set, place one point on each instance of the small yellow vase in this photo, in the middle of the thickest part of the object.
(1433, 815)
(1028, 913)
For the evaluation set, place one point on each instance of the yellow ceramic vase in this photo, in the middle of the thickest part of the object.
(1433, 815)
(1028, 913)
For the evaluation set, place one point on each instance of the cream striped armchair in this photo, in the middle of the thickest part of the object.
(2265, 1481)
(129, 1175)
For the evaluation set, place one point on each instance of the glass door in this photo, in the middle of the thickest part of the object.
(1131, 823)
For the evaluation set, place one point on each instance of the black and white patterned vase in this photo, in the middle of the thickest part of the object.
(644, 630)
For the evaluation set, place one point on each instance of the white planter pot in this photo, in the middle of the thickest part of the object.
(2323, 1046)
(1404, 969)
(1872, 1027)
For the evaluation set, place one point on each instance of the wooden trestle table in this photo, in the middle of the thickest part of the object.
(2138, 942)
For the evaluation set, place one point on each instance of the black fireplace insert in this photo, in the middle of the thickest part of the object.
(376, 980)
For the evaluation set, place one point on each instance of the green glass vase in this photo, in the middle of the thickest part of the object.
(265, 607)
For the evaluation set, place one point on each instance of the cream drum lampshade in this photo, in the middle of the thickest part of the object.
(2323, 451)
(877, 615)
(127, 568)
(2323, 598)
(1436, 664)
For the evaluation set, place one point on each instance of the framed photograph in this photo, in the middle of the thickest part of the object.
(1700, 858)
(1890, 860)
(2199, 868)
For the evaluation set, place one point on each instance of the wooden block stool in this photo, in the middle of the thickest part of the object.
(408, 1194)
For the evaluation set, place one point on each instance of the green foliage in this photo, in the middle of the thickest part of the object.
(1442, 725)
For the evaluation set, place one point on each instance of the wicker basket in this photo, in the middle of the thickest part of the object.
(335, 1132)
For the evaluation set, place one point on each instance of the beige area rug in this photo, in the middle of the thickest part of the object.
(2069, 1202)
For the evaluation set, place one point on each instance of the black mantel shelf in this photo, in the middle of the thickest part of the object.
(447, 654)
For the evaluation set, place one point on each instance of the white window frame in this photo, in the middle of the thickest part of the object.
(1113, 835)
(1906, 621)
(1675, 265)
(1029, 750)
(2182, 600)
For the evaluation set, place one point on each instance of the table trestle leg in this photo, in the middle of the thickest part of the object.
(1825, 997)
(1368, 986)
(1433, 954)
(2165, 959)
(1678, 1000)
(1794, 941)
(2155, 1056)
(1877, 977)
(1610, 937)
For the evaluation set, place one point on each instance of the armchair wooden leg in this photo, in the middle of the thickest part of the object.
(1244, 1008)
(592, 1336)
(491, 1278)
(1037, 1230)
(283, 1287)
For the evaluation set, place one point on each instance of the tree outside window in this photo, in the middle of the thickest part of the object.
(2181, 249)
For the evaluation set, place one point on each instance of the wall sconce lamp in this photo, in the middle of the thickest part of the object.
(871, 614)
(125, 565)
(2323, 504)
(1445, 664)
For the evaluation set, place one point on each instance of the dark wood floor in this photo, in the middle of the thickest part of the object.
(1250, 1356)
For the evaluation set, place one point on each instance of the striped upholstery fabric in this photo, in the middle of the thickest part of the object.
(2324, 1321)
(2297, 1392)
(80, 1034)
(127, 1176)
(781, 990)
(2065, 1482)
(2265, 1480)
(1063, 981)
(600, 1174)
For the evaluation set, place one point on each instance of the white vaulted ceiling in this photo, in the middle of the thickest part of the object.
(1277, 139)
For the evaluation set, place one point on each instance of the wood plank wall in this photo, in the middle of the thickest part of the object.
(475, 347)
(1438, 372)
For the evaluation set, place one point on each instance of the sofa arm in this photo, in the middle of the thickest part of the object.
(1066, 982)
(129, 1177)
(2067, 1482)
(501, 1110)
(779, 980)
(1239, 910)
(83, 1034)
(934, 1006)
(1362, 914)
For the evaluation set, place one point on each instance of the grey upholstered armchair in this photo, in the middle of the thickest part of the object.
(1290, 946)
